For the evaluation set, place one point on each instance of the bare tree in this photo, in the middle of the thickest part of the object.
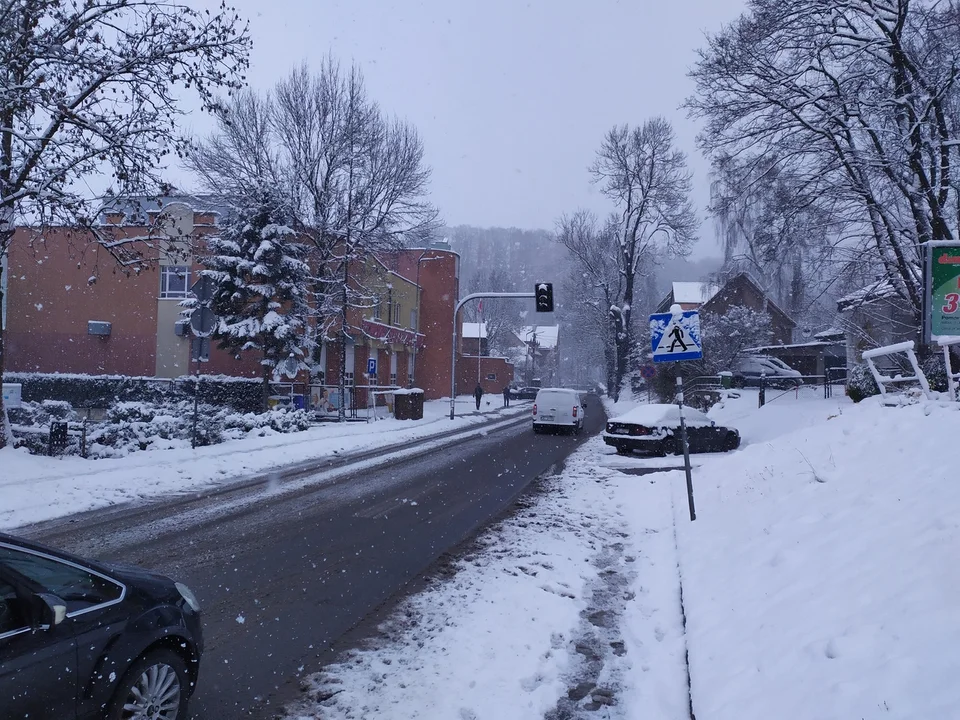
(357, 178)
(90, 89)
(646, 178)
(856, 99)
(596, 283)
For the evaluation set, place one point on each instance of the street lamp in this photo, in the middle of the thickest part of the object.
(419, 318)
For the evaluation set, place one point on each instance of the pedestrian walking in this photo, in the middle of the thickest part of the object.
(478, 393)
(506, 396)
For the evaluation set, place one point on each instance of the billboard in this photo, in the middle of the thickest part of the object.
(943, 283)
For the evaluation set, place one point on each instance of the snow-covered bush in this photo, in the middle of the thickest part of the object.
(860, 383)
(129, 427)
(935, 372)
(33, 414)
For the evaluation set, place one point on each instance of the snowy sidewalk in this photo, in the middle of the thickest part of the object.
(36, 488)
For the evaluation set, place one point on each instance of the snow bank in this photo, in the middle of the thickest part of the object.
(821, 576)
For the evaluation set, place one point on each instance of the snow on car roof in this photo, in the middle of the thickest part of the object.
(657, 415)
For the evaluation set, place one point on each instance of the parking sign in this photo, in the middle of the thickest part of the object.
(372, 366)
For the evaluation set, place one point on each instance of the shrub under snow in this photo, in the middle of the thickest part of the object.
(134, 426)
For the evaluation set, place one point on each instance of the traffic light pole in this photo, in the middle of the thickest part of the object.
(453, 346)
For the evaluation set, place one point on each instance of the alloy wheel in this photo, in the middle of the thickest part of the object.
(154, 696)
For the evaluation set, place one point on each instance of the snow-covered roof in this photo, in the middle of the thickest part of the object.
(880, 290)
(662, 415)
(474, 330)
(694, 292)
(546, 335)
(830, 333)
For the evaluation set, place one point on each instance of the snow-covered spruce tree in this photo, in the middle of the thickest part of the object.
(262, 286)
(93, 89)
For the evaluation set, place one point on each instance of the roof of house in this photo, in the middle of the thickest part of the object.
(474, 330)
(747, 278)
(546, 335)
(882, 289)
(694, 292)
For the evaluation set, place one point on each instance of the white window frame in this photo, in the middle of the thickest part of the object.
(165, 272)
(395, 320)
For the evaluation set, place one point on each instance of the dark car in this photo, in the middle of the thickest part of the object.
(82, 640)
(525, 393)
(655, 429)
(776, 373)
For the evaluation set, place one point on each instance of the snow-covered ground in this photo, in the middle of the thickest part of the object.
(36, 488)
(821, 576)
(571, 604)
(819, 581)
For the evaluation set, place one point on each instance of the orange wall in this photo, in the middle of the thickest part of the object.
(50, 301)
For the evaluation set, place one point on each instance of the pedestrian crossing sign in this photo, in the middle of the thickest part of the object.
(675, 336)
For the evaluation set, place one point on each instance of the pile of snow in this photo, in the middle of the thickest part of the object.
(820, 579)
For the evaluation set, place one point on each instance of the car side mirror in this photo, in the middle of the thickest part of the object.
(52, 610)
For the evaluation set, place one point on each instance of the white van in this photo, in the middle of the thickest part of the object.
(557, 408)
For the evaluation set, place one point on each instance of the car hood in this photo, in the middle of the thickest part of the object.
(148, 581)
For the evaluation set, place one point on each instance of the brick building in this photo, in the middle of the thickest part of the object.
(69, 307)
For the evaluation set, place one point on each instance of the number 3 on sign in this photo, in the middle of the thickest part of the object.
(953, 302)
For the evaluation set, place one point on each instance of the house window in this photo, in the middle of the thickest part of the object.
(349, 379)
(376, 308)
(413, 319)
(410, 367)
(174, 282)
(395, 320)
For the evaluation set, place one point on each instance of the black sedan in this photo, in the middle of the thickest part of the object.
(525, 393)
(655, 429)
(81, 640)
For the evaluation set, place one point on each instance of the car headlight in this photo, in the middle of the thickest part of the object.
(188, 597)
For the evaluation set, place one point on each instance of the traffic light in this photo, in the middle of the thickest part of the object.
(544, 296)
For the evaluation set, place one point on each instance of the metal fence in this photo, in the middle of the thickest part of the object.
(706, 390)
(360, 402)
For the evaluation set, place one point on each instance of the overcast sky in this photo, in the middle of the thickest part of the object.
(511, 98)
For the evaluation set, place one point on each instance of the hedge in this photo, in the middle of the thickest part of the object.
(104, 391)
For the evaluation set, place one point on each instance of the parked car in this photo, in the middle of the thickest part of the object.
(525, 393)
(655, 429)
(83, 640)
(777, 373)
(556, 409)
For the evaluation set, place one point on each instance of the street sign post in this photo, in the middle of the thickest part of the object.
(200, 349)
(203, 289)
(372, 367)
(202, 321)
(675, 336)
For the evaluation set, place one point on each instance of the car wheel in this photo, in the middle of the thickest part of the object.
(733, 442)
(623, 451)
(156, 686)
(536, 430)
